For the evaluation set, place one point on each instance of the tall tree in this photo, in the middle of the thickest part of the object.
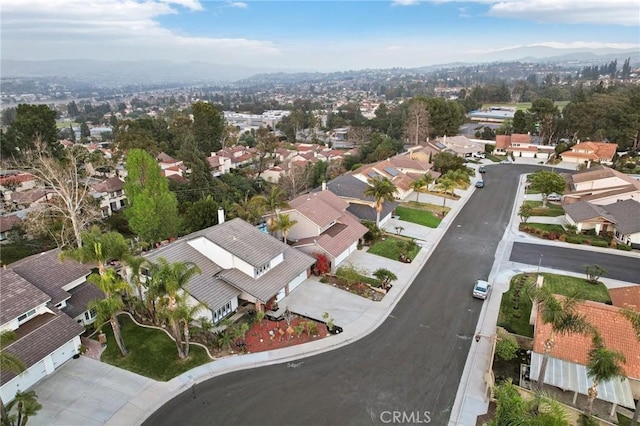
(266, 144)
(26, 404)
(153, 209)
(32, 123)
(547, 183)
(381, 189)
(98, 247)
(417, 128)
(208, 127)
(69, 198)
(107, 309)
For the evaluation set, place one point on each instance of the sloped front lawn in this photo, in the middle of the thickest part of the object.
(419, 216)
(151, 352)
(515, 307)
(391, 248)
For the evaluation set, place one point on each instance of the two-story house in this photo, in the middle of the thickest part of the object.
(324, 226)
(588, 152)
(44, 302)
(110, 192)
(238, 262)
(600, 185)
(351, 190)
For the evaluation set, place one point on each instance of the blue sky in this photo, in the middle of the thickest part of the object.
(311, 35)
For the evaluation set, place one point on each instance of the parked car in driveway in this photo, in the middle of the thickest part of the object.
(554, 197)
(480, 184)
(506, 162)
(481, 289)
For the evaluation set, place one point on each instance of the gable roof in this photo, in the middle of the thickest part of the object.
(205, 287)
(8, 222)
(109, 185)
(626, 214)
(28, 197)
(39, 337)
(351, 188)
(321, 207)
(47, 272)
(601, 150)
(80, 298)
(616, 331)
(628, 297)
(584, 210)
(18, 296)
(164, 158)
(245, 241)
(339, 237)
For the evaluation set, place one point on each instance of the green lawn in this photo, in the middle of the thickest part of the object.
(552, 210)
(495, 158)
(433, 208)
(390, 248)
(548, 227)
(421, 217)
(151, 352)
(517, 320)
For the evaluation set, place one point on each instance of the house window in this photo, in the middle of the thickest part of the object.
(89, 315)
(22, 318)
(114, 206)
(261, 269)
(105, 213)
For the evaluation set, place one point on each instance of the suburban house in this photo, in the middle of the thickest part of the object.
(44, 302)
(30, 198)
(626, 297)
(462, 146)
(169, 165)
(8, 223)
(324, 226)
(219, 164)
(621, 218)
(239, 264)
(111, 195)
(590, 152)
(600, 185)
(566, 368)
(522, 145)
(351, 189)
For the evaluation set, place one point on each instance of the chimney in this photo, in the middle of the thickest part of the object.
(220, 215)
(324, 185)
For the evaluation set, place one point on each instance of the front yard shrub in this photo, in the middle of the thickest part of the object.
(574, 239)
(624, 247)
(506, 346)
(600, 244)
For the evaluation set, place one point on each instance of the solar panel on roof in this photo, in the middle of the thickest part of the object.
(440, 145)
(372, 174)
(392, 171)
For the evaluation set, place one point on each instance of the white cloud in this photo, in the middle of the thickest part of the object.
(115, 30)
(238, 4)
(617, 12)
(405, 2)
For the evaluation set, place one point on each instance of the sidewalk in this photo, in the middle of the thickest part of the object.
(370, 317)
(470, 399)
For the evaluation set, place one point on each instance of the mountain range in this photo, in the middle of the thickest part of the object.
(122, 73)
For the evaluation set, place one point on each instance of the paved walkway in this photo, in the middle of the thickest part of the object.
(96, 393)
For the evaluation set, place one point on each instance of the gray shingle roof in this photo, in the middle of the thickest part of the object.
(17, 296)
(245, 241)
(364, 212)
(626, 214)
(46, 333)
(205, 287)
(80, 298)
(49, 274)
(268, 285)
(583, 210)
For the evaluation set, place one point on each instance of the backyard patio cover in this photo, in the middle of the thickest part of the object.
(573, 377)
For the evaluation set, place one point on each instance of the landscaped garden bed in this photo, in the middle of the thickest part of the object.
(396, 248)
(551, 210)
(361, 288)
(557, 232)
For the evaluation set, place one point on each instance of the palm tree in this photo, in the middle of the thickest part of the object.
(8, 362)
(459, 176)
(272, 203)
(249, 209)
(136, 265)
(427, 179)
(185, 314)
(417, 185)
(173, 277)
(99, 247)
(513, 409)
(112, 285)
(445, 184)
(381, 189)
(27, 405)
(603, 365)
(283, 223)
(563, 317)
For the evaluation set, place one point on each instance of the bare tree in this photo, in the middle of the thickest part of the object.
(68, 200)
(417, 124)
(296, 181)
(359, 135)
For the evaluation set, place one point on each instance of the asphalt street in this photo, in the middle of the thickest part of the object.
(621, 268)
(411, 364)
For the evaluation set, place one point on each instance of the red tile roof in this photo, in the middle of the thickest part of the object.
(321, 207)
(9, 222)
(628, 297)
(602, 150)
(16, 178)
(615, 329)
(503, 141)
(520, 138)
